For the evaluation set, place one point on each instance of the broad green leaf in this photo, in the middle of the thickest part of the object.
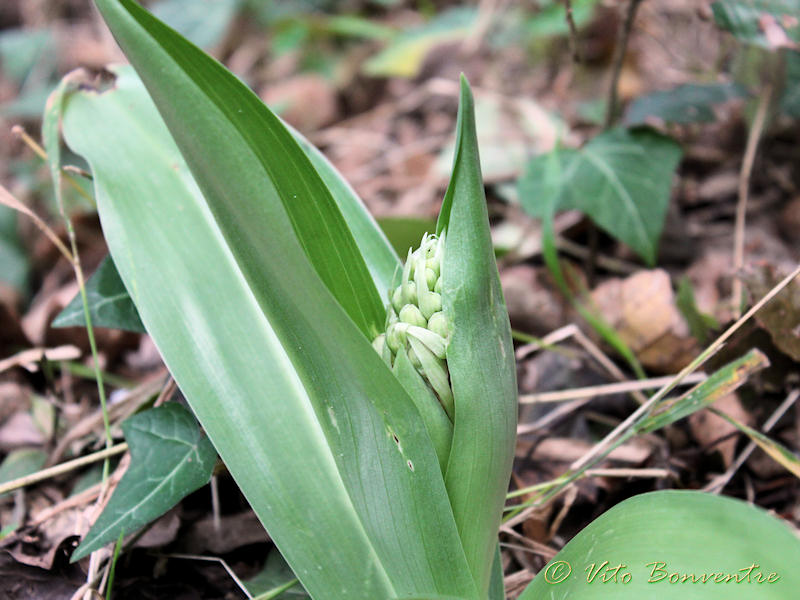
(743, 18)
(229, 131)
(282, 380)
(203, 22)
(480, 356)
(778, 452)
(109, 303)
(378, 252)
(170, 458)
(689, 533)
(22, 462)
(689, 103)
(621, 179)
(405, 54)
(111, 306)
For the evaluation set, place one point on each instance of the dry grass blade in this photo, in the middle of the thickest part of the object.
(778, 452)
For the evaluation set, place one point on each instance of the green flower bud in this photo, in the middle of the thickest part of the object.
(415, 323)
(397, 299)
(435, 343)
(438, 323)
(413, 316)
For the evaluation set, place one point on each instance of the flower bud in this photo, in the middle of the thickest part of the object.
(415, 323)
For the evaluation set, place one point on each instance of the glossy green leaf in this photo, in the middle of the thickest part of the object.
(170, 458)
(229, 131)
(377, 250)
(621, 179)
(689, 103)
(658, 534)
(480, 356)
(743, 18)
(109, 303)
(251, 333)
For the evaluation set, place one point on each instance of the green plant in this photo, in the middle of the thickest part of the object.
(263, 281)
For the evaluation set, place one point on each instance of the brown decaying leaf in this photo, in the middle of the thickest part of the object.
(707, 428)
(642, 309)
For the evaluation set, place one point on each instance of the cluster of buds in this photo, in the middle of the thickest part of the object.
(415, 323)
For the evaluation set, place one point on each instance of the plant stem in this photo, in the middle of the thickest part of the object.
(753, 138)
(619, 59)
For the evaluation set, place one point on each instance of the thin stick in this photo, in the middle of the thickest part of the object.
(744, 189)
(9, 200)
(20, 132)
(216, 559)
(719, 482)
(619, 59)
(66, 467)
(591, 348)
(610, 472)
(573, 32)
(607, 389)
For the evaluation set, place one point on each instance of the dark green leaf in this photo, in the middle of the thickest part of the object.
(109, 303)
(382, 260)
(170, 458)
(223, 108)
(690, 103)
(690, 533)
(621, 179)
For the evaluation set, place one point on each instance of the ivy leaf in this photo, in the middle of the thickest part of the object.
(170, 458)
(621, 180)
(109, 303)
